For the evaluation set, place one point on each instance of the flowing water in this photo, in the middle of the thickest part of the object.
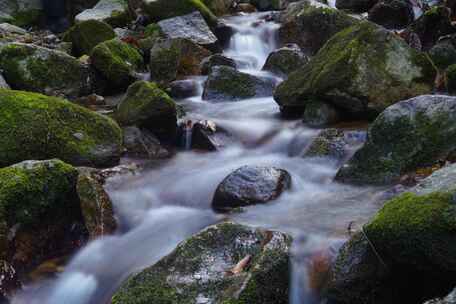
(170, 201)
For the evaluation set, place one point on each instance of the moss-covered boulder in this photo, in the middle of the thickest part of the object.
(147, 106)
(39, 69)
(312, 24)
(362, 70)
(113, 12)
(117, 61)
(172, 59)
(285, 60)
(35, 126)
(162, 9)
(21, 13)
(86, 35)
(227, 84)
(406, 136)
(226, 263)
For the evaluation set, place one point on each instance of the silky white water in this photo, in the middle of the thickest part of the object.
(169, 202)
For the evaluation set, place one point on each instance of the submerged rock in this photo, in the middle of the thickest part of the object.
(42, 127)
(227, 84)
(285, 60)
(113, 12)
(392, 14)
(361, 70)
(225, 263)
(407, 135)
(250, 185)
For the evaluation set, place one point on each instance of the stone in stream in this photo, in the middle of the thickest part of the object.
(207, 136)
(39, 69)
(113, 12)
(285, 60)
(142, 143)
(361, 70)
(225, 263)
(183, 88)
(356, 6)
(392, 14)
(250, 185)
(149, 107)
(406, 136)
(318, 114)
(310, 24)
(228, 84)
(216, 60)
(86, 35)
(42, 127)
(191, 27)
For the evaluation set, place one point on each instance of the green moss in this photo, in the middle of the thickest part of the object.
(41, 127)
(87, 34)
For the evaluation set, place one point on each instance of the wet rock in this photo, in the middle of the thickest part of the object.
(250, 185)
(7, 28)
(227, 84)
(117, 61)
(285, 60)
(21, 13)
(183, 88)
(441, 180)
(270, 5)
(113, 12)
(86, 35)
(172, 59)
(245, 8)
(408, 135)
(142, 143)
(149, 107)
(41, 127)
(356, 6)
(392, 14)
(96, 206)
(312, 24)
(39, 69)
(220, 7)
(317, 114)
(223, 32)
(361, 71)
(206, 135)
(443, 54)
(191, 27)
(215, 60)
(226, 263)
(3, 83)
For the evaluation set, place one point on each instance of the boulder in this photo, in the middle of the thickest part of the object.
(191, 27)
(227, 84)
(163, 9)
(86, 35)
(21, 12)
(184, 88)
(38, 69)
(441, 180)
(361, 70)
(143, 144)
(147, 106)
(113, 12)
(356, 6)
(172, 59)
(207, 136)
(408, 135)
(392, 14)
(117, 61)
(250, 185)
(220, 7)
(215, 60)
(226, 263)
(285, 60)
(42, 127)
(317, 114)
(311, 24)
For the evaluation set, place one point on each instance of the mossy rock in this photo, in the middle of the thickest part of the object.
(406, 136)
(147, 106)
(361, 70)
(285, 60)
(443, 54)
(199, 268)
(163, 9)
(22, 13)
(117, 61)
(86, 35)
(113, 12)
(42, 127)
(38, 69)
(450, 79)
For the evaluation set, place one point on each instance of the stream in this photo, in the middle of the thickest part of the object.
(171, 201)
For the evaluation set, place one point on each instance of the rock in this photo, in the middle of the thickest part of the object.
(246, 8)
(147, 106)
(223, 32)
(21, 13)
(142, 143)
(207, 136)
(443, 54)
(317, 114)
(3, 83)
(362, 70)
(11, 29)
(356, 6)
(191, 27)
(441, 180)
(285, 60)
(215, 60)
(392, 14)
(406, 136)
(117, 61)
(113, 12)
(312, 24)
(220, 7)
(270, 5)
(163, 9)
(96, 206)
(449, 299)
(250, 185)
(172, 59)
(227, 84)
(198, 270)
(184, 88)
(450, 79)
(86, 35)
(38, 69)
(41, 127)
